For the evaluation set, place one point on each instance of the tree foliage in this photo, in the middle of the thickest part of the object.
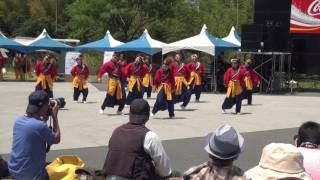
(88, 20)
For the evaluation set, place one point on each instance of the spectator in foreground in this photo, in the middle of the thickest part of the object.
(27, 159)
(279, 161)
(308, 143)
(135, 152)
(224, 145)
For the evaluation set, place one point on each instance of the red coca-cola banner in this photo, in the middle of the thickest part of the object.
(305, 16)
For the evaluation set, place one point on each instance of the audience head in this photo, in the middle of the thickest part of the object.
(38, 104)
(194, 57)
(279, 161)
(224, 145)
(139, 111)
(308, 135)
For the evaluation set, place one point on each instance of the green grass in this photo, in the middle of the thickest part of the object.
(309, 84)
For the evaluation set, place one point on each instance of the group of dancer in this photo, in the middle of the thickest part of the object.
(240, 81)
(174, 81)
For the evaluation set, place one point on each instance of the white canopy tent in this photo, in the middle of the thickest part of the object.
(233, 37)
(204, 42)
(200, 42)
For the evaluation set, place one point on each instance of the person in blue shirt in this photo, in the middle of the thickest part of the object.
(27, 160)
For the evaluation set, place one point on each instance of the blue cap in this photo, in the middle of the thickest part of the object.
(36, 100)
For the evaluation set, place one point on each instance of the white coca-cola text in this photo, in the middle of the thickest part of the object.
(314, 8)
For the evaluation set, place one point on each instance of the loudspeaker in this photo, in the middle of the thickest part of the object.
(252, 36)
(298, 45)
(271, 26)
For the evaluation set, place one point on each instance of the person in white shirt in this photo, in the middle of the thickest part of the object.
(134, 151)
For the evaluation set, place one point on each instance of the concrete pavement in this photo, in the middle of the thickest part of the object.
(83, 129)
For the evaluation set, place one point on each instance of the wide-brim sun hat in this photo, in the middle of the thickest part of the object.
(279, 161)
(224, 143)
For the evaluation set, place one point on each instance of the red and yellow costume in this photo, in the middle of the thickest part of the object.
(115, 90)
(114, 85)
(165, 84)
(196, 72)
(80, 75)
(46, 74)
(147, 81)
(135, 73)
(251, 80)
(233, 80)
(182, 89)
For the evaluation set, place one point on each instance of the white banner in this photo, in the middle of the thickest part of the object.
(107, 56)
(70, 61)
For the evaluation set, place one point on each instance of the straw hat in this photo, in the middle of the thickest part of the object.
(279, 161)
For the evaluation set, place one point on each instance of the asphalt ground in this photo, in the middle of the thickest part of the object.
(86, 133)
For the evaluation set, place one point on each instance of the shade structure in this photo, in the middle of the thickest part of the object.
(143, 44)
(104, 44)
(233, 37)
(45, 42)
(204, 42)
(10, 44)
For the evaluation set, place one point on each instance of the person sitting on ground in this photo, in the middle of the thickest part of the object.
(308, 143)
(135, 152)
(223, 145)
(27, 159)
(279, 161)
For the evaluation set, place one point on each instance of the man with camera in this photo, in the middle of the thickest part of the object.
(31, 134)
